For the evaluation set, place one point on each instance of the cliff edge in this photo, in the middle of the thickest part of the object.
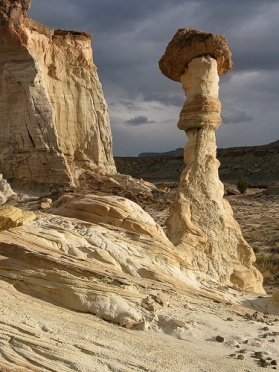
(54, 120)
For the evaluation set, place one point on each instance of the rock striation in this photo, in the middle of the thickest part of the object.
(54, 120)
(103, 269)
(74, 277)
(112, 210)
(201, 223)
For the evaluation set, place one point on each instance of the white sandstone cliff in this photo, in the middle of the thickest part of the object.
(53, 116)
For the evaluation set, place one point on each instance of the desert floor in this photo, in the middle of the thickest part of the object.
(213, 328)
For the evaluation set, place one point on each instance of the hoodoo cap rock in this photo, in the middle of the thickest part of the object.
(188, 44)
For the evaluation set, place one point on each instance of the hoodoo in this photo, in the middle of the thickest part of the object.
(201, 223)
(53, 116)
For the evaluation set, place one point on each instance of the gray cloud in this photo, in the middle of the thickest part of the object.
(234, 116)
(138, 120)
(130, 105)
(129, 38)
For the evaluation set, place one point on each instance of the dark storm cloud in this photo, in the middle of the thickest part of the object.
(106, 16)
(138, 120)
(166, 98)
(234, 116)
(250, 27)
(129, 38)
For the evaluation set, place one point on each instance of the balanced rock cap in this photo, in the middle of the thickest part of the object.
(188, 44)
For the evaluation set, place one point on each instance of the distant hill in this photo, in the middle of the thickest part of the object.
(258, 164)
(274, 144)
(178, 151)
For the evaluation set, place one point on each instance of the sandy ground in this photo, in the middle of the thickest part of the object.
(39, 336)
(257, 212)
(226, 330)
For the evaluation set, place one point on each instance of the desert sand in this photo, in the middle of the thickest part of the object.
(39, 336)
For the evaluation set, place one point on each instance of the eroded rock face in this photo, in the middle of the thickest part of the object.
(13, 12)
(113, 210)
(53, 116)
(201, 223)
(12, 217)
(88, 267)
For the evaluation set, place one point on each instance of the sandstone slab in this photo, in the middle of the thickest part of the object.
(113, 210)
(11, 217)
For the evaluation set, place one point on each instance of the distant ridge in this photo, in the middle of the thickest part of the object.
(179, 151)
(259, 165)
(274, 144)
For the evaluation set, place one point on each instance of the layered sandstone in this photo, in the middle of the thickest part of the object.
(112, 210)
(53, 116)
(92, 258)
(104, 269)
(201, 223)
(71, 282)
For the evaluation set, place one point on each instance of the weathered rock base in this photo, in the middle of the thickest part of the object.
(201, 223)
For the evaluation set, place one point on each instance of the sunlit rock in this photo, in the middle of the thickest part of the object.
(53, 116)
(201, 223)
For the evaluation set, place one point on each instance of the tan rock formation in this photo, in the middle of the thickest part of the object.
(113, 210)
(95, 257)
(91, 268)
(53, 116)
(5, 190)
(188, 44)
(12, 217)
(201, 222)
(58, 275)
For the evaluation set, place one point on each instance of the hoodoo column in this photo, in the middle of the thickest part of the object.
(201, 223)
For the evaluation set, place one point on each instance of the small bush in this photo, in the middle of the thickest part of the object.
(242, 185)
(268, 266)
(268, 277)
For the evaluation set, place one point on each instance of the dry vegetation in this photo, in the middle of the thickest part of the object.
(257, 212)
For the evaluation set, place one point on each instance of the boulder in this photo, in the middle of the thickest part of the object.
(188, 44)
(5, 190)
(112, 210)
(12, 217)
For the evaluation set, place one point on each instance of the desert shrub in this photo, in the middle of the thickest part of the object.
(268, 265)
(242, 185)
(256, 249)
(274, 250)
(267, 277)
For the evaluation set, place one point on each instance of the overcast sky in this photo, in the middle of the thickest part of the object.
(129, 38)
